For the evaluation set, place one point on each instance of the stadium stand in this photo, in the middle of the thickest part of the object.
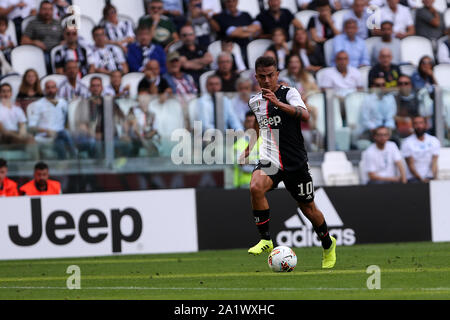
(28, 57)
(337, 170)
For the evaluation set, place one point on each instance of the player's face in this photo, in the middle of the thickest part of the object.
(41, 176)
(267, 77)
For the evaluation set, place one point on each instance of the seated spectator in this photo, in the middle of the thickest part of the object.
(310, 53)
(352, 44)
(143, 50)
(13, 122)
(424, 76)
(411, 103)
(73, 49)
(106, 57)
(241, 98)
(7, 43)
(385, 69)
(207, 105)
(195, 59)
(17, 11)
(44, 32)
(297, 76)
(227, 45)
(443, 50)
(8, 187)
(276, 17)
(175, 11)
(341, 4)
(152, 83)
(322, 27)
(116, 88)
(403, 23)
(200, 21)
(359, 13)
(41, 185)
(378, 109)
(237, 25)
(386, 41)
(343, 78)
(279, 47)
(162, 28)
(29, 90)
(48, 122)
(72, 87)
(60, 9)
(118, 32)
(181, 83)
(421, 152)
(225, 72)
(429, 22)
(384, 159)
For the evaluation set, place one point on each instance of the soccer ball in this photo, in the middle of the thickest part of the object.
(282, 259)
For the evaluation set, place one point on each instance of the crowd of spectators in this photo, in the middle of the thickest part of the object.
(170, 45)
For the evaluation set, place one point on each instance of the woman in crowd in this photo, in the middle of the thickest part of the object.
(30, 89)
(310, 54)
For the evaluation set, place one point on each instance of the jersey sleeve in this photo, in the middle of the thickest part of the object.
(294, 98)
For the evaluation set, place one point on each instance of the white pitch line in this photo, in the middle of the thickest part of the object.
(226, 289)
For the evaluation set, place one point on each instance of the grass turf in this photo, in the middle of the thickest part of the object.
(408, 271)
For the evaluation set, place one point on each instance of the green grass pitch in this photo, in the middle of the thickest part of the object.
(408, 271)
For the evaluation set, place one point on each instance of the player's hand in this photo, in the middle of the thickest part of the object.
(270, 96)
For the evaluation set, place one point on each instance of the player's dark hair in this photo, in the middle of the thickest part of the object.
(44, 2)
(41, 166)
(264, 62)
(3, 163)
(322, 3)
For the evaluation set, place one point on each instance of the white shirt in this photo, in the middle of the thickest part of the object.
(10, 118)
(383, 162)
(401, 18)
(422, 153)
(46, 115)
(119, 32)
(333, 79)
(19, 12)
(67, 92)
(110, 57)
(443, 55)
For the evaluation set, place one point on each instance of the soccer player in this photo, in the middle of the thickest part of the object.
(279, 111)
(41, 184)
(8, 188)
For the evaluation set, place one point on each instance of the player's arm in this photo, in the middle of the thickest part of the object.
(297, 110)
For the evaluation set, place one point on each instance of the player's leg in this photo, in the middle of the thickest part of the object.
(259, 185)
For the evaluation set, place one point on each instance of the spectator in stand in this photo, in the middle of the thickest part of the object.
(106, 57)
(143, 50)
(237, 25)
(8, 187)
(181, 83)
(152, 83)
(386, 69)
(41, 185)
(279, 47)
(424, 76)
(44, 32)
(343, 77)
(386, 41)
(200, 21)
(276, 17)
(227, 45)
(443, 50)
(429, 22)
(116, 88)
(359, 13)
(310, 53)
(225, 72)
(72, 87)
(298, 77)
(48, 122)
(384, 159)
(352, 44)
(17, 11)
(60, 9)
(403, 23)
(175, 11)
(162, 28)
(13, 122)
(7, 43)
(195, 59)
(421, 152)
(241, 98)
(29, 90)
(322, 27)
(118, 32)
(73, 49)
(378, 109)
(207, 105)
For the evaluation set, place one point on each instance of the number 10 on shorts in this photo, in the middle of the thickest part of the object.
(306, 187)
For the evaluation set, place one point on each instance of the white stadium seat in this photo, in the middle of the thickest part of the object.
(135, 9)
(447, 17)
(85, 31)
(249, 6)
(93, 9)
(291, 5)
(14, 80)
(26, 21)
(11, 31)
(304, 16)
(203, 78)
(28, 57)
(58, 78)
(365, 75)
(338, 18)
(408, 69)
(132, 79)
(353, 104)
(321, 74)
(413, 48)
(337, 170)
(255, 49)
(444, 164)
(317, 100)
(328, 52)
(442, 75)
(106, 80)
